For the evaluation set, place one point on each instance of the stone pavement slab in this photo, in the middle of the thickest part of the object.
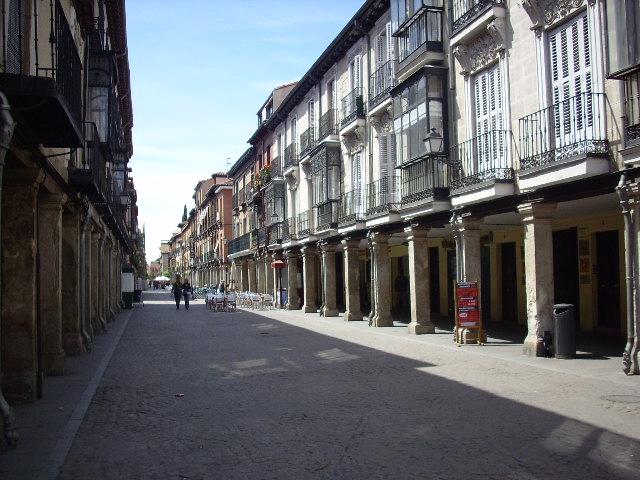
(283, 395)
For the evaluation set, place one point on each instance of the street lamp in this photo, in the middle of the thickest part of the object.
(433, 143)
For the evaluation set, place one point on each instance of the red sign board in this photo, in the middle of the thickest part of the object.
(468, 305)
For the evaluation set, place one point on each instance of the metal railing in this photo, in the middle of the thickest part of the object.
(352, 207)
(327, 216)
(425, 179)
(328, 124)
(240, 244)
(307, 141)
(381, 82)
(94, 165)
(290, 156)
(464, 11)
(575, 126)
(289, 229)
(632, 109)
(382, 196)
(352, 106)
(303, 224)
(423, 29)
(275, 232)
(234, 200)
(483, 158)
(241, 196)
(276, 167)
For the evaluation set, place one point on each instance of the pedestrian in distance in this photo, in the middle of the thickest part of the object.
(221, 288)
(186, 291)
(176, 289)
(233, 287)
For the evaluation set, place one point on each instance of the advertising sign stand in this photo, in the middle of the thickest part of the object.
(468, 315)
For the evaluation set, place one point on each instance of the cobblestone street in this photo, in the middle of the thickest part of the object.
(202, 395)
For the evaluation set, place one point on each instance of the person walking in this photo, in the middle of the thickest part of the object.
(232, 287)
(176, 289)
(186, 291)
(221, 288)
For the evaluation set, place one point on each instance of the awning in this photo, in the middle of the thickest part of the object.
(278, 264)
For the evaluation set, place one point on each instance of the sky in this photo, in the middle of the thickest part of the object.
(200, 70)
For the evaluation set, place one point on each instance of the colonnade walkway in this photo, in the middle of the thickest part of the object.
(285, 395)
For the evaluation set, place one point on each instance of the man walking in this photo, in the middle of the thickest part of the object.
(176, 289)
(186, 291)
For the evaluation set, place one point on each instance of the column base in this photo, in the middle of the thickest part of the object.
(533, 346)
(54, 363)
(326, 312)
(353, 316)
(20, 387)
(466, 336)
(73, 344)
(382, 321)
(309, 309)
(292, 307)
(421, 329)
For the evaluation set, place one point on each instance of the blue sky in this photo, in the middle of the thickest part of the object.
(200, 69)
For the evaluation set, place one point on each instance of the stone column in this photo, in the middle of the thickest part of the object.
(309, 278)
(419, 282)
(538, 265)
(72, 284)
(329, 307)
(50, 277)
(251, 275)
(351, 280)
(293, 301)
(86, 285)
(21, 372)
(106, 278)
(268, 275)
(381, 265)
(372, 281)
(96, 319)
(244, 277)
(275, 272)
(259, 259)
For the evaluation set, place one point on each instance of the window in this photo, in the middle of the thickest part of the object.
(487, 88)
(355, 73)
(326, 175)
(14, 37)
(623, 22)
(311, 114)
(417, 109)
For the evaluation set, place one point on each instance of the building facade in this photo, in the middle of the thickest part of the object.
(435, 142)
(68, 200)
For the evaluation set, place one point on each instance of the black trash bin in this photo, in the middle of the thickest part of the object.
(564, 332)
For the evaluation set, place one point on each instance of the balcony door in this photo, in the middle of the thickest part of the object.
(570, 57)
(489, 146)
(356, 183)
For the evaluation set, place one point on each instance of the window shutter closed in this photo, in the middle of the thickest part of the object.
(357, 71)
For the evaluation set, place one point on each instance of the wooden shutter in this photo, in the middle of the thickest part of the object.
(357, 71)
(489, 116)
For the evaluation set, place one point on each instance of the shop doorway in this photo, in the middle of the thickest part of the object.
(608, 278)
(509, 282)
(565, 269)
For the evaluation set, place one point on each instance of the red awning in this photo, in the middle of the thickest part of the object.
(278, 264)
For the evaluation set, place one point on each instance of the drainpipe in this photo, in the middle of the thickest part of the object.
(6, 132)
(629, 267)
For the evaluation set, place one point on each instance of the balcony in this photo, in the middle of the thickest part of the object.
(289, 230)
(275, 233)
(327, 215)
(563, 142)
(276, 168)
(632, 110)
(328, 125)
(242, 201)
(352, 108)
(45, 97)
(465, 13)
(92, 176)
(420, 41)
(352, 207)
(307, 142)
(303, 224)
(234, 201)
(382, 196)
(380, 84)
(290, 157)
(426, 180)
(482, 167)
(240, 244)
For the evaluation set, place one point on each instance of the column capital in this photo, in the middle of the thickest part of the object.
(416, 233)
(462, 222)
(308, 249)
(52, 201)
(326, 246)
(531, 211)
(377, 238)
(291, 254)
(350, 243)
(24, 177)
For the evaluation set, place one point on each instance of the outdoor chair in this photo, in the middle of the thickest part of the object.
(267, 301)
(256, 300)
(231, 302)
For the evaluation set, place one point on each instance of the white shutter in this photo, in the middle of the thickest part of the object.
(384, 156)
(570, 57)
(357, 61)
(381, 50)
(390, 52)
(311, 114)
(489, 116)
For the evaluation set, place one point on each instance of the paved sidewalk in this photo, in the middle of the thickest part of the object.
(48, 426)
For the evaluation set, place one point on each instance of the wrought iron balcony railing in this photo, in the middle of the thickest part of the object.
(276, 167)
(92, 175)
(240, 244)
(422, 31)
(425, 179)
(382, 196)
(381, 82)
(241, 196)
(307, 141)
(234, 200)
(465, 11)
(275, 232)
(572, 127)
(327, 215)
(352, 207)
(303, 224)
(632, 109)
(483, 158)
(352, 106)
(290, 156)
(328, 124)
(288, 229)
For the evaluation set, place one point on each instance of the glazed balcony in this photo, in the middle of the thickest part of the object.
(328, 124)
(45, 89)
(352, 207)
(352, 107)
(327, 216)
(92, 176)
(380, 84)
(465, 12)
(290, 157)
(382, 196)
(632, 110)
(307, 142)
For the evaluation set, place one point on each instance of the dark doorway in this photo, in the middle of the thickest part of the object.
(565, 269)
(509, 282)
(340, 290)
(452, 271)
(608, 278)
(485, 283)
(434, 279)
